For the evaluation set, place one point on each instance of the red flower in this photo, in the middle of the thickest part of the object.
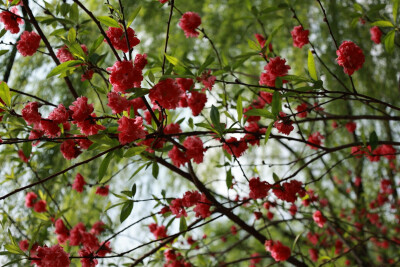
(319, 219)
(61, 231)
(191, 198)
(172, 128)
(288, 191)
(351, 126)
(87, 75)
(22, 156)
(50, 257)
(177, 208)
(28, 43)
(117, 103)
(10, 20)
(293, 209)
(97, 228)
(140, 61)
(207, 79)
(130, 129)
(31, 114)
(285, 125)
(316, 139)
(23, 245)
(69, 149)
(30, 199)
(260, 39)
(76, 234)
(253, 136)
(59, 114)
(300, 36)
(233, 230)
(64, 55)
(194, 149)
(40, 206)
(117, 37)
(235, 147)
(177, 156)
(302, 110)
(79, 182)
(202, 208)
(83, 143)
(124, 75)
(313, 254)
(258, 189)
(278, 251)
(102, 190)
(158, 231)
(275, 68)
(50, 128)
(189, 22)
(166, 93)
(196, 102)
(350, 57)
(186, 84)
(376, 34)
(80, 108)
(89, 126)
(87, 260)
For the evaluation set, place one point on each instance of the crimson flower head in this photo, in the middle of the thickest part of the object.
(30, 199)
(124, 75)
(166, 93)
(61, 231)
(178, 157)
(51, 256)
(130, 129)
(69, 149)
(102, 190)
(202, 208)
(28, 43)
(31, 114)
(260, 39)
(194, 149)
(319, 219)
(117, 103)
(81, 109)
(117, 37)
(22, 156)
(316, 139)
(59, 114)
(300, 36)
(189, 22)
(350, 57)
(11, 20)
(79, 182)
(235, 147)
(278, 251)
(64, 55)
(284, 126)
(275, 68)
(376, 34)
(351, 126)
(258, 189)
(302, 110)
(197, 102)
(40, 206)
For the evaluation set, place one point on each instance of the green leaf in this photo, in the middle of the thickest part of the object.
(182, 225)
(229, 178)
(173, 60)
(382, 23)
(311, 66)
(126, 210)
(138, 170)
(389, 41)
(133, 16)
(357, 7)
(27, 149)
(395, 9)
(239, 108)
(373, 140)
(214, 114)
(133, 151)
(276, 104)
(276, 177)
(133, 190)
(155, 170)
(260, 112)
(63, 67)
(12, 262)
(13, 249)
(71, 35)
(5, 93)
(96, 44)
(2, 32)
(209, 60)
(108, 21)
(296, 239)
(268, 132)
(104, 165)
(2, 52)
(296, 78)
(253, 45)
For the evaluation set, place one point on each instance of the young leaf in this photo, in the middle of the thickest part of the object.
(276, 104)
(260, 112)
(27, 149)
(155, 170)
(268, 132)
(5, 93)
(214, 114)
(133, 190)
(311, 66)
(395, 8)
(104, 165)
(382, 23)
(72, 35)
(239, 108)
(133, 16)
(229, 178)
(126, 210)
(373, 140)
(389, 41)
(182, 225)
(63, 67)
(108, 21)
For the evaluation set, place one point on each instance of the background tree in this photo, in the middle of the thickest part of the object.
(199, 133)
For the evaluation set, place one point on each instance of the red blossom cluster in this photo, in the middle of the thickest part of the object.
(189, 23)
(31, 201)
(300, 36)
(278, 251)
(350, 57)
(276, 67)
(191, 198)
